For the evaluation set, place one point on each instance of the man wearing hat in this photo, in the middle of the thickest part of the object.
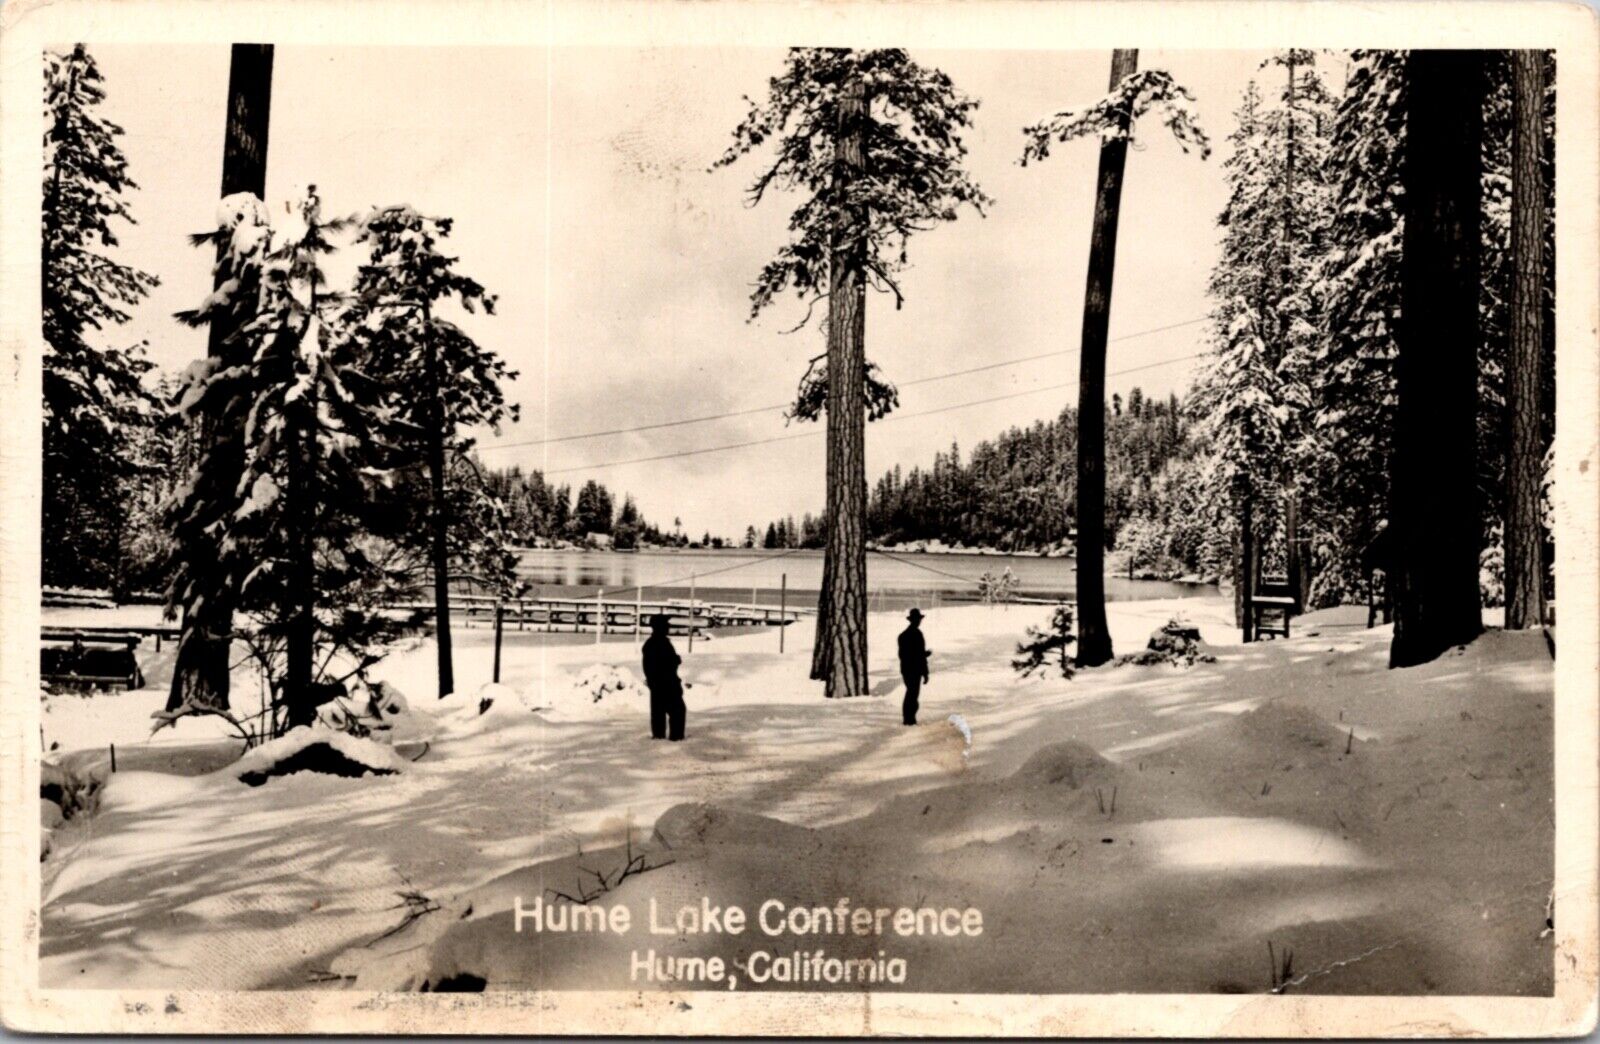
(661, 675)
(913, 664)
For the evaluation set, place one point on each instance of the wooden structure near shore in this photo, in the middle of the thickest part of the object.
(615, 615)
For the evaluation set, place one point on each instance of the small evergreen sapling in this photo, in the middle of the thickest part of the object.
(1046, 648)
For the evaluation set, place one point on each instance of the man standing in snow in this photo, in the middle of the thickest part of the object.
(913, 664)
(661, 675)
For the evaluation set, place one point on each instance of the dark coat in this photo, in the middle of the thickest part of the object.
(913, 653)
(661, 666)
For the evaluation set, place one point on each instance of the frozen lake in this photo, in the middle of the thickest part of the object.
(903, 580)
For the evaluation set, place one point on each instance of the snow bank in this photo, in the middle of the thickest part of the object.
(1132, 799)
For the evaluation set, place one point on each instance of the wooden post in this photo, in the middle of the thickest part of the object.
(599, 616)
(113, 757)
(499, 628)
(783, 610)
(691, 612)
(638, 610)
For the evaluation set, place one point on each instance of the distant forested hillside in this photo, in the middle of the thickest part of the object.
(1015, 492)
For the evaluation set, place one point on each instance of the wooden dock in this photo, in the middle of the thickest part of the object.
(616, 615)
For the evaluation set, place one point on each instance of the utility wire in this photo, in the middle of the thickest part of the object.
(685, 578)
(891, 417)
(783, 405)
(920, 565)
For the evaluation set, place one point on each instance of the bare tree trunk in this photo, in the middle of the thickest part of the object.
(439, 513)
(1524, 535)
(1434, 489)
(1299, 584)
(1249, 572)
(301, 602)
(201, 665)
(1094, 634)
(846, 594)
(1238, 572)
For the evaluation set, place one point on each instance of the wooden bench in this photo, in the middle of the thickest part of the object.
(1270, 614)
(84, 659)
(1272, 606)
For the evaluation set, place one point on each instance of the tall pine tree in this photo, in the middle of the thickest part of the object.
(873, 141)
(201, 671)
(289, 522)
(1437, 530)
(1267, 319)
(1111, 119)
(95, 401)
(440, 383)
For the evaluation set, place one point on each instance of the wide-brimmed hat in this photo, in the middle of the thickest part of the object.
(660, 622)
(914, 614)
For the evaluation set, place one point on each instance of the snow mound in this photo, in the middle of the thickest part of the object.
(495, 704)
(1070, 763)
(1285, 726)
(316, 749)
(691, 825)
(483, 711)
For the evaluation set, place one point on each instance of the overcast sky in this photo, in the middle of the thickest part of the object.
(582, 198)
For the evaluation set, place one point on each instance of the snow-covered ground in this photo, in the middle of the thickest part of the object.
(1134, 828)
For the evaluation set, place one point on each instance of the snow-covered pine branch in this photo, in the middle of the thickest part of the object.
(1115, 116)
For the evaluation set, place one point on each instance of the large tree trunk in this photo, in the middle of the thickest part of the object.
(820, 647)
(1094, 634)
(301, 601)
(1299, 581)
(845, 594)
(200, 668)
(1525, 462)
(439, 508)
(1434, 489)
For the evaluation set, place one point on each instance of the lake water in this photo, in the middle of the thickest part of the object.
(737, 575)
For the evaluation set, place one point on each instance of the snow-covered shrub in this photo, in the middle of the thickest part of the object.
(377, 710)
(1047, 647)
(73, 791)
(1002, 588)
(609, 684)
(317, 749)
(1492, 570)
(1177, 642)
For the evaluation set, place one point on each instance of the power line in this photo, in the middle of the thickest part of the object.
(784, 405)
(892, 417)
(701, 575)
